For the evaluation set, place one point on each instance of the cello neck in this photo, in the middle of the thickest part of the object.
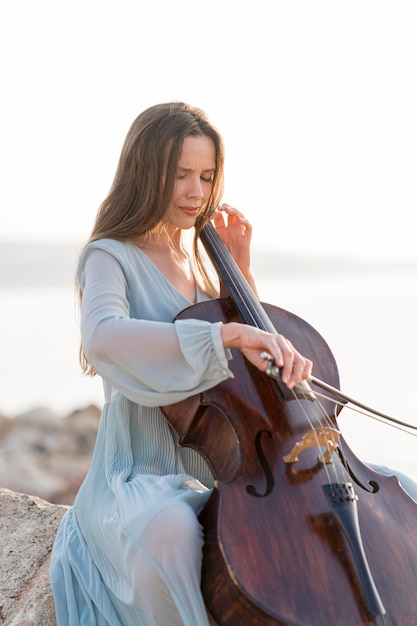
(235, 283)
(245, 301)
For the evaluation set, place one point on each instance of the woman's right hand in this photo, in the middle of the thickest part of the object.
(252, 342)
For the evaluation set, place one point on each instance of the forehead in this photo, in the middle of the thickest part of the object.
(198, 149)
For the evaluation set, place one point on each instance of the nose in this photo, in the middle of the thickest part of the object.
(195, 189)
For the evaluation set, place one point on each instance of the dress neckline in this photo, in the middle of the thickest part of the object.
(198, 293)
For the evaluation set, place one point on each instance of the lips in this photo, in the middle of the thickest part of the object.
(190, 210)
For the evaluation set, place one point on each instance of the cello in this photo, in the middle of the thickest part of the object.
(298, 531)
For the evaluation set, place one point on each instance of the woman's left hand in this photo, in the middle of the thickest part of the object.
(236, 232)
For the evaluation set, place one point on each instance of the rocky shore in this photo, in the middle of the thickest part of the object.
(47, 457)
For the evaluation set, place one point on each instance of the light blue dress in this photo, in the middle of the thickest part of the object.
(137, 469)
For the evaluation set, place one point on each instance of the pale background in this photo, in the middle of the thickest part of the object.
(316, 100)
(317, 103)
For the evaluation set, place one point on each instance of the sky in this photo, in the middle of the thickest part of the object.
(316, 101)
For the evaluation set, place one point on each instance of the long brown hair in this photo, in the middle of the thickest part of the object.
(144, 182)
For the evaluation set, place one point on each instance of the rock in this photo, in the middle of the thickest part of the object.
(28, 526)
(46, 455)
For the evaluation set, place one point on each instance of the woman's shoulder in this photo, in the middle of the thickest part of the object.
(123, 251)
(113, 246)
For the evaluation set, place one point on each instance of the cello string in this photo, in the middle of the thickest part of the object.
(322, 417)
(324, 420)
(236, 279)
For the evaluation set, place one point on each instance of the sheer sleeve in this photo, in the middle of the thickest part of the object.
(153, 363)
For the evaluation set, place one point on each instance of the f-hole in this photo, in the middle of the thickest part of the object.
(269, 479)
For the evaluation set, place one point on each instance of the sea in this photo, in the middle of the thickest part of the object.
(366, 312)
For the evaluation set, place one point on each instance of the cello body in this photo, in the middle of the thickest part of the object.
(277, 550)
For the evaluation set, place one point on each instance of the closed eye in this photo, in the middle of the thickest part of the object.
(207, 177)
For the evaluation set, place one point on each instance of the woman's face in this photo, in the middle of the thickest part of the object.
(194, 181)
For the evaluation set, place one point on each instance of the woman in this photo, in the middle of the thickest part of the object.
(129, 551)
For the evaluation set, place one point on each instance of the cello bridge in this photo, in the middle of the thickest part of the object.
(320, 437)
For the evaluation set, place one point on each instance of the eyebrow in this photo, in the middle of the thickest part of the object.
(190, 169)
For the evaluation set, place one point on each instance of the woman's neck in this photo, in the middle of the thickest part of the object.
(168, 240)
(167, 252)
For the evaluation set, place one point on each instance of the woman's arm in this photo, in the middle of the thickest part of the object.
(151, 362)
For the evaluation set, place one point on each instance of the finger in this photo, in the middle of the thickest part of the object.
(230, 210)
(297, 373)
(287, 371)
(308, 368)
(301, 370)
(293, 365)
(225, 207)
(246, 226)
(218, 216)
(219, 221)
